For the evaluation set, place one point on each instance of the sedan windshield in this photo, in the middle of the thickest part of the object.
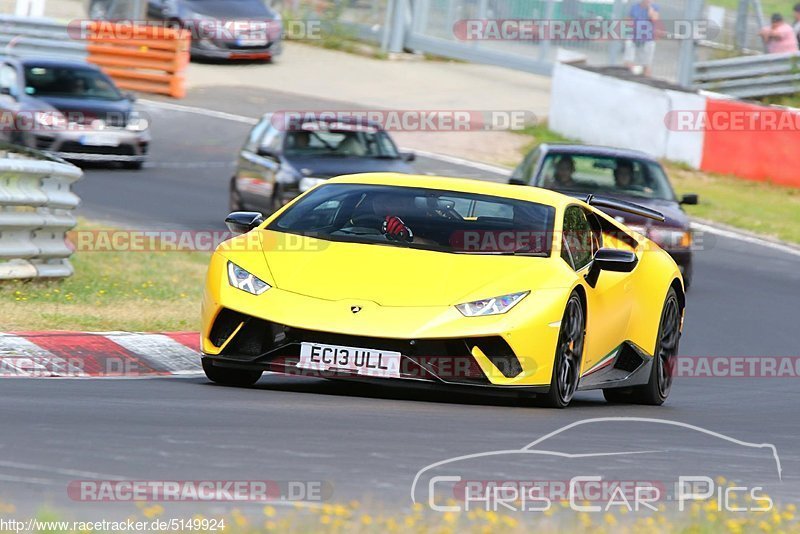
(604, 175)
(429, 219)
(326, 142)
(69, 82)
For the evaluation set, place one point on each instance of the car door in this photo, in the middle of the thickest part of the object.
(608, 304)
(258, 164)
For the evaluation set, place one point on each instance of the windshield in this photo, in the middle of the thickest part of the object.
(69, 82)
(430, 219)
(604, 175)
(326, 142)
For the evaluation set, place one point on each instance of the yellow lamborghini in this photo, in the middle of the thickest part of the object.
(448, 281)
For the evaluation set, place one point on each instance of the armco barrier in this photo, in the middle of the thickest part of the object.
(27, 36)
(36, 204)
(150, 59)
(750, 76)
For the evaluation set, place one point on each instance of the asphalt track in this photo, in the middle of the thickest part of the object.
(369, 442)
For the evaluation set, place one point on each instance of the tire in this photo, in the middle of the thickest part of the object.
(230, 377)
(133, 165)
(569, 354)
(657, 389)
(235, 198)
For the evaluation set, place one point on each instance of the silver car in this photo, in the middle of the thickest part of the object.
(70, 109)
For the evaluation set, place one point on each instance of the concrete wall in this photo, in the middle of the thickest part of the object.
(604, 110)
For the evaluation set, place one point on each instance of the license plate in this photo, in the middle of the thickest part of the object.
(99, 140)
(251, 41)
(367, 362)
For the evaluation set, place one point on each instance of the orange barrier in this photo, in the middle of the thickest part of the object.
(754, 142)
(150, 59)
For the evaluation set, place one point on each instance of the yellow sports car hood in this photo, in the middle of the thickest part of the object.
(399, 276)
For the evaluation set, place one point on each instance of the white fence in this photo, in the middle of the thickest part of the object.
(36, 211)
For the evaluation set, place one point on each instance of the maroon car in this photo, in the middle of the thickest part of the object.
(628, 175)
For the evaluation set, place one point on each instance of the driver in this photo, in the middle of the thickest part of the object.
(565, 167)
(390, 213)
(623, 174)
(301, 139)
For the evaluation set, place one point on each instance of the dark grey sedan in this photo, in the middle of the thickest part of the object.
(282, 159)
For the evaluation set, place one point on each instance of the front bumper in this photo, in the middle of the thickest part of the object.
(224, 50)
(118, 145)
(247, 342)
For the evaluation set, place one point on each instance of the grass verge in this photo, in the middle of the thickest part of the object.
(130, 290)
(763, 208)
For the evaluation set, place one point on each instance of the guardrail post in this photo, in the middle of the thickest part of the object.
(615, 47)
(686, 56)
(394, 29)
(546, 44)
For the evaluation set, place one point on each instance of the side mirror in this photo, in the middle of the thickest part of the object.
(408, 156)
(690, 199)
(610, 259)
(267, 152)
(241, 222)
(131, 97)
(516, 181)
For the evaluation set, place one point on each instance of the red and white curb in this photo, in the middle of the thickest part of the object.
(99, 354)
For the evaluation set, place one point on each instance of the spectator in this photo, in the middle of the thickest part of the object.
(779, 37)
(640, 50)
(796, 25)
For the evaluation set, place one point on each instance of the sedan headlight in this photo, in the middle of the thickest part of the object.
(309, 182)
(492, 306)
(136, 123)
(241, 279)
(671, 238)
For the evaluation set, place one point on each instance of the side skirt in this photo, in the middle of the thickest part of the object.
(625, 366)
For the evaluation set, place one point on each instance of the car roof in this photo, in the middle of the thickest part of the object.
(462, 185)
(595, 150)
(328, 116)
(54, 62)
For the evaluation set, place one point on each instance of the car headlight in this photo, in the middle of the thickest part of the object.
(136, 123)
(309, 182)
(671, 238)
(492, 306)
(241, 279)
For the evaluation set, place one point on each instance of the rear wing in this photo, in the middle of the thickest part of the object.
(627, 207)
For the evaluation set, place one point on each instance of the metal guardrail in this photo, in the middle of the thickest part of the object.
(36, 211)
(26, 36)
(750, 76)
